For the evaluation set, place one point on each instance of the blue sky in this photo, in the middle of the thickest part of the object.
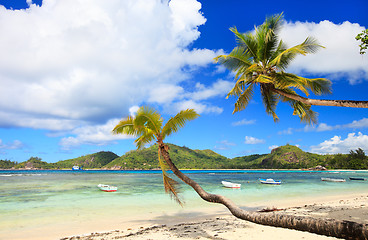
(69, 70)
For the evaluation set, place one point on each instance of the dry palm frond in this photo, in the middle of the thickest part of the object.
(171, 186)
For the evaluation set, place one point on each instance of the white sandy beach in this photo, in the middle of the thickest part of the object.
(226, 227)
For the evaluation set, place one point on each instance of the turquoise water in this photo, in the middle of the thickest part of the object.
(50, 199)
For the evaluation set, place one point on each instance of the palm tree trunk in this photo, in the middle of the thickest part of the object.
(328, 227)
(317, 102)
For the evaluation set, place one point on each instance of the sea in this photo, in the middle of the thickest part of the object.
(65, 202)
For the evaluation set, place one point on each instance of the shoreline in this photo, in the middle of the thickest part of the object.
(226, 227)
(159, 170)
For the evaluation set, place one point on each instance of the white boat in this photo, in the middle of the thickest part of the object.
(269, 181)
(333, 179)
(230, 184)
(107, 188)
(76, 168)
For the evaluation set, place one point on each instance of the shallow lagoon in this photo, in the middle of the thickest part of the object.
(50, 198)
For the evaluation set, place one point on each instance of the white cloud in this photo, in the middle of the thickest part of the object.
(224, 145)
(198, 107)
(341, 54)
(184, 21)
(288, 131)
(362, 123)
(338, 145)
(219, 88)
(95, 135)
(16, 144)
(196, 99)
(253, 140)
(76, 62)
(273, 147)
(324, 127)
(356, 124)
(133, 110)
(244, 122)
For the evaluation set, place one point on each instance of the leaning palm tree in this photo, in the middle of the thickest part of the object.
(147, 125)
(260, 59)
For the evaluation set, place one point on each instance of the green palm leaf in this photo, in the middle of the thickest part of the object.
(148, 117)
(270, 100)
(125, 126)
(244, 99)
(178, 121)
(282, 61)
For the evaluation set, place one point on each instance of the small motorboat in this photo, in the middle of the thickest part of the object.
(269, 181)
(230, 184)
(358, 178)
(76, 168)
(107, 188)
(333, 179)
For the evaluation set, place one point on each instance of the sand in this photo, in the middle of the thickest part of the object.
(227, 227)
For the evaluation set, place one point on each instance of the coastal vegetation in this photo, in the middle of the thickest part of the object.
(283, 157)
(363, 38)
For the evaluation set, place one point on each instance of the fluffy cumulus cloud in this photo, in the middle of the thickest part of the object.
(339, 145)
(67, 65)
(196, 98)
(253, 140)
(340, 57)
(92, 135)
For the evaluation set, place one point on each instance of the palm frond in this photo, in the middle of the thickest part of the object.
(270, 100)
(238, 88)
(263, 79)
(145, 138)
(149, 118)
(288, 80)
(303, 111)
(125, 126)
(310, 45)
(319, 86)
(237, 58)
(267, 39)
(244, 99)
(274, 22)
(178, 121)
(170, 185)
(247, 42)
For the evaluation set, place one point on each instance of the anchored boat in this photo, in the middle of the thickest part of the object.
(358, 178)
(230, 184)
(107, 188)
(269, 181)
(333, 179)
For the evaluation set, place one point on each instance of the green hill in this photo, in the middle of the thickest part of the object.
(95, 160)
(34, 163)
(183, 158)
(289, 157)
(284, 157)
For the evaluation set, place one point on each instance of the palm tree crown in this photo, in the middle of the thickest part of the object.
(147, 125)
(260, 59)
